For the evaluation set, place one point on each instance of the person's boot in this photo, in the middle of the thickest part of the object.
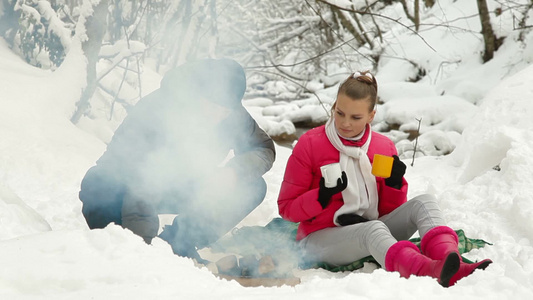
(405, 258)
(180, 244)
(439, 242)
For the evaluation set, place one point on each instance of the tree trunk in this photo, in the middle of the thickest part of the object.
(429, 3)
(213, 28)
(363, 31)
(415, 18)
(348, 25)
(491, 42)
(95, 26)
(9, 22)
(181, 43)
(417, 15)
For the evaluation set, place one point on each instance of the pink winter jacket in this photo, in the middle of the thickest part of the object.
(298, 197)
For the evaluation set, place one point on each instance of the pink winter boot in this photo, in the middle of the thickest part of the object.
(405, 258)
(439, 242)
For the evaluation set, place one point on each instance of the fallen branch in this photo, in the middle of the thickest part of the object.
(416, 141)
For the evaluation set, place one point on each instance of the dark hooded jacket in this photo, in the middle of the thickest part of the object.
(167, 141)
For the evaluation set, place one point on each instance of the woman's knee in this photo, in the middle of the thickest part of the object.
(424, 200)
(369, 229)
(376, 226)
(376, 230)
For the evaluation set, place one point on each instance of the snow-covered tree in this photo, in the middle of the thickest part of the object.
(90, 29)
(43, 34)
(300, 45)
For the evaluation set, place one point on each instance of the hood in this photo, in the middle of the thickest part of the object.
(221, 81)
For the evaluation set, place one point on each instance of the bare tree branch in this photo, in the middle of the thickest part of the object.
(336, 33)
(305, 60)
(416, 141)
(380, 16)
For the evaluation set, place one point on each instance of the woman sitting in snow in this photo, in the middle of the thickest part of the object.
(364, 215)
(189, 148)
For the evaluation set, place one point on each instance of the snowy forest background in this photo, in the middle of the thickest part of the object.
(455, 96)
(294, 52)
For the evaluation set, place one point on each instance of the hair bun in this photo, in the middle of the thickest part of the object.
(364, 76)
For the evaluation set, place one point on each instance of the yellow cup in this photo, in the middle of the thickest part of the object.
(382, 165)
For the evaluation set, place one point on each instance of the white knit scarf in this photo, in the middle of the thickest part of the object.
(352, 160)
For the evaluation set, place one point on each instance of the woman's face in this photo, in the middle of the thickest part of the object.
(351, 116)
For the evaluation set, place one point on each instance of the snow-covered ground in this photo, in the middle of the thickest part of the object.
(485, 187)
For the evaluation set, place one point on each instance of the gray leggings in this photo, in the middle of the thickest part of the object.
(202, 220)
(343, 245)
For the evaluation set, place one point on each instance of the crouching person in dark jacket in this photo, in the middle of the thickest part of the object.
(189, 148)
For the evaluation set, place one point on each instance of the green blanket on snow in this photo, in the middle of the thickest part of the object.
(277, 239)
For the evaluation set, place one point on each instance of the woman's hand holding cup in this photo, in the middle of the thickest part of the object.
(382, 165)
(333, 181)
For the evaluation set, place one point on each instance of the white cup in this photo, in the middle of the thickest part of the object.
(331, 174)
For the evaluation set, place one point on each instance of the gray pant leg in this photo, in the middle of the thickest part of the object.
(207, 219)
(420, 213)
(139, 215)
(344, 245)
(101, 194)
